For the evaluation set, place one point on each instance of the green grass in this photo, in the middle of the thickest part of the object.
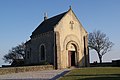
(99, 73)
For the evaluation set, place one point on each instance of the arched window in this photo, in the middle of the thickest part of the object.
(42, 51)
(28, 54)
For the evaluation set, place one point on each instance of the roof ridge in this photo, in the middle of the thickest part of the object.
(58, 15)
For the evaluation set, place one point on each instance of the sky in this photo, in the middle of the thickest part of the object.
(19, 18)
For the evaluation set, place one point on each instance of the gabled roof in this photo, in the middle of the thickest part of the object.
(48, 25)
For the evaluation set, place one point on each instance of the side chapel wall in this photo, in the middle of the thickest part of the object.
(46, 39)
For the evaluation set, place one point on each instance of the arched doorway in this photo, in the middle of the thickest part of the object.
(71, 58)
(72, 54)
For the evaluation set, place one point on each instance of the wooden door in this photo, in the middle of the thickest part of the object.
(69, 58)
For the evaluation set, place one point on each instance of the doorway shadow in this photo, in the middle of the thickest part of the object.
(60, 75)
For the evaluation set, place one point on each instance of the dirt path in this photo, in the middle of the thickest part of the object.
(37, 75)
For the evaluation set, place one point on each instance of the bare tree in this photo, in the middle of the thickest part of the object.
(15, 53)
(99, 42)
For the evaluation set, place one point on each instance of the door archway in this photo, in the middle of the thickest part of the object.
(72, 54)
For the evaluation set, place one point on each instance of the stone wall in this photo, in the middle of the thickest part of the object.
(46, 39)
(24, 69)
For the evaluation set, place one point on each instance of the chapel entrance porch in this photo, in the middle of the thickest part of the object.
(72, 54)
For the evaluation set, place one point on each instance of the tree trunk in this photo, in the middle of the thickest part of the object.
(100, 57)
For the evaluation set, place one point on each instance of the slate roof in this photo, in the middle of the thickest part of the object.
(48, 25)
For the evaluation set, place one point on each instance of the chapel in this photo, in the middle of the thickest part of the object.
(60, 41)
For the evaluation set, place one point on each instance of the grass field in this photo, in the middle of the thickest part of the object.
(99, 73)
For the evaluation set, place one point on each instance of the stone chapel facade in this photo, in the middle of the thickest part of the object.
(60, 40)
